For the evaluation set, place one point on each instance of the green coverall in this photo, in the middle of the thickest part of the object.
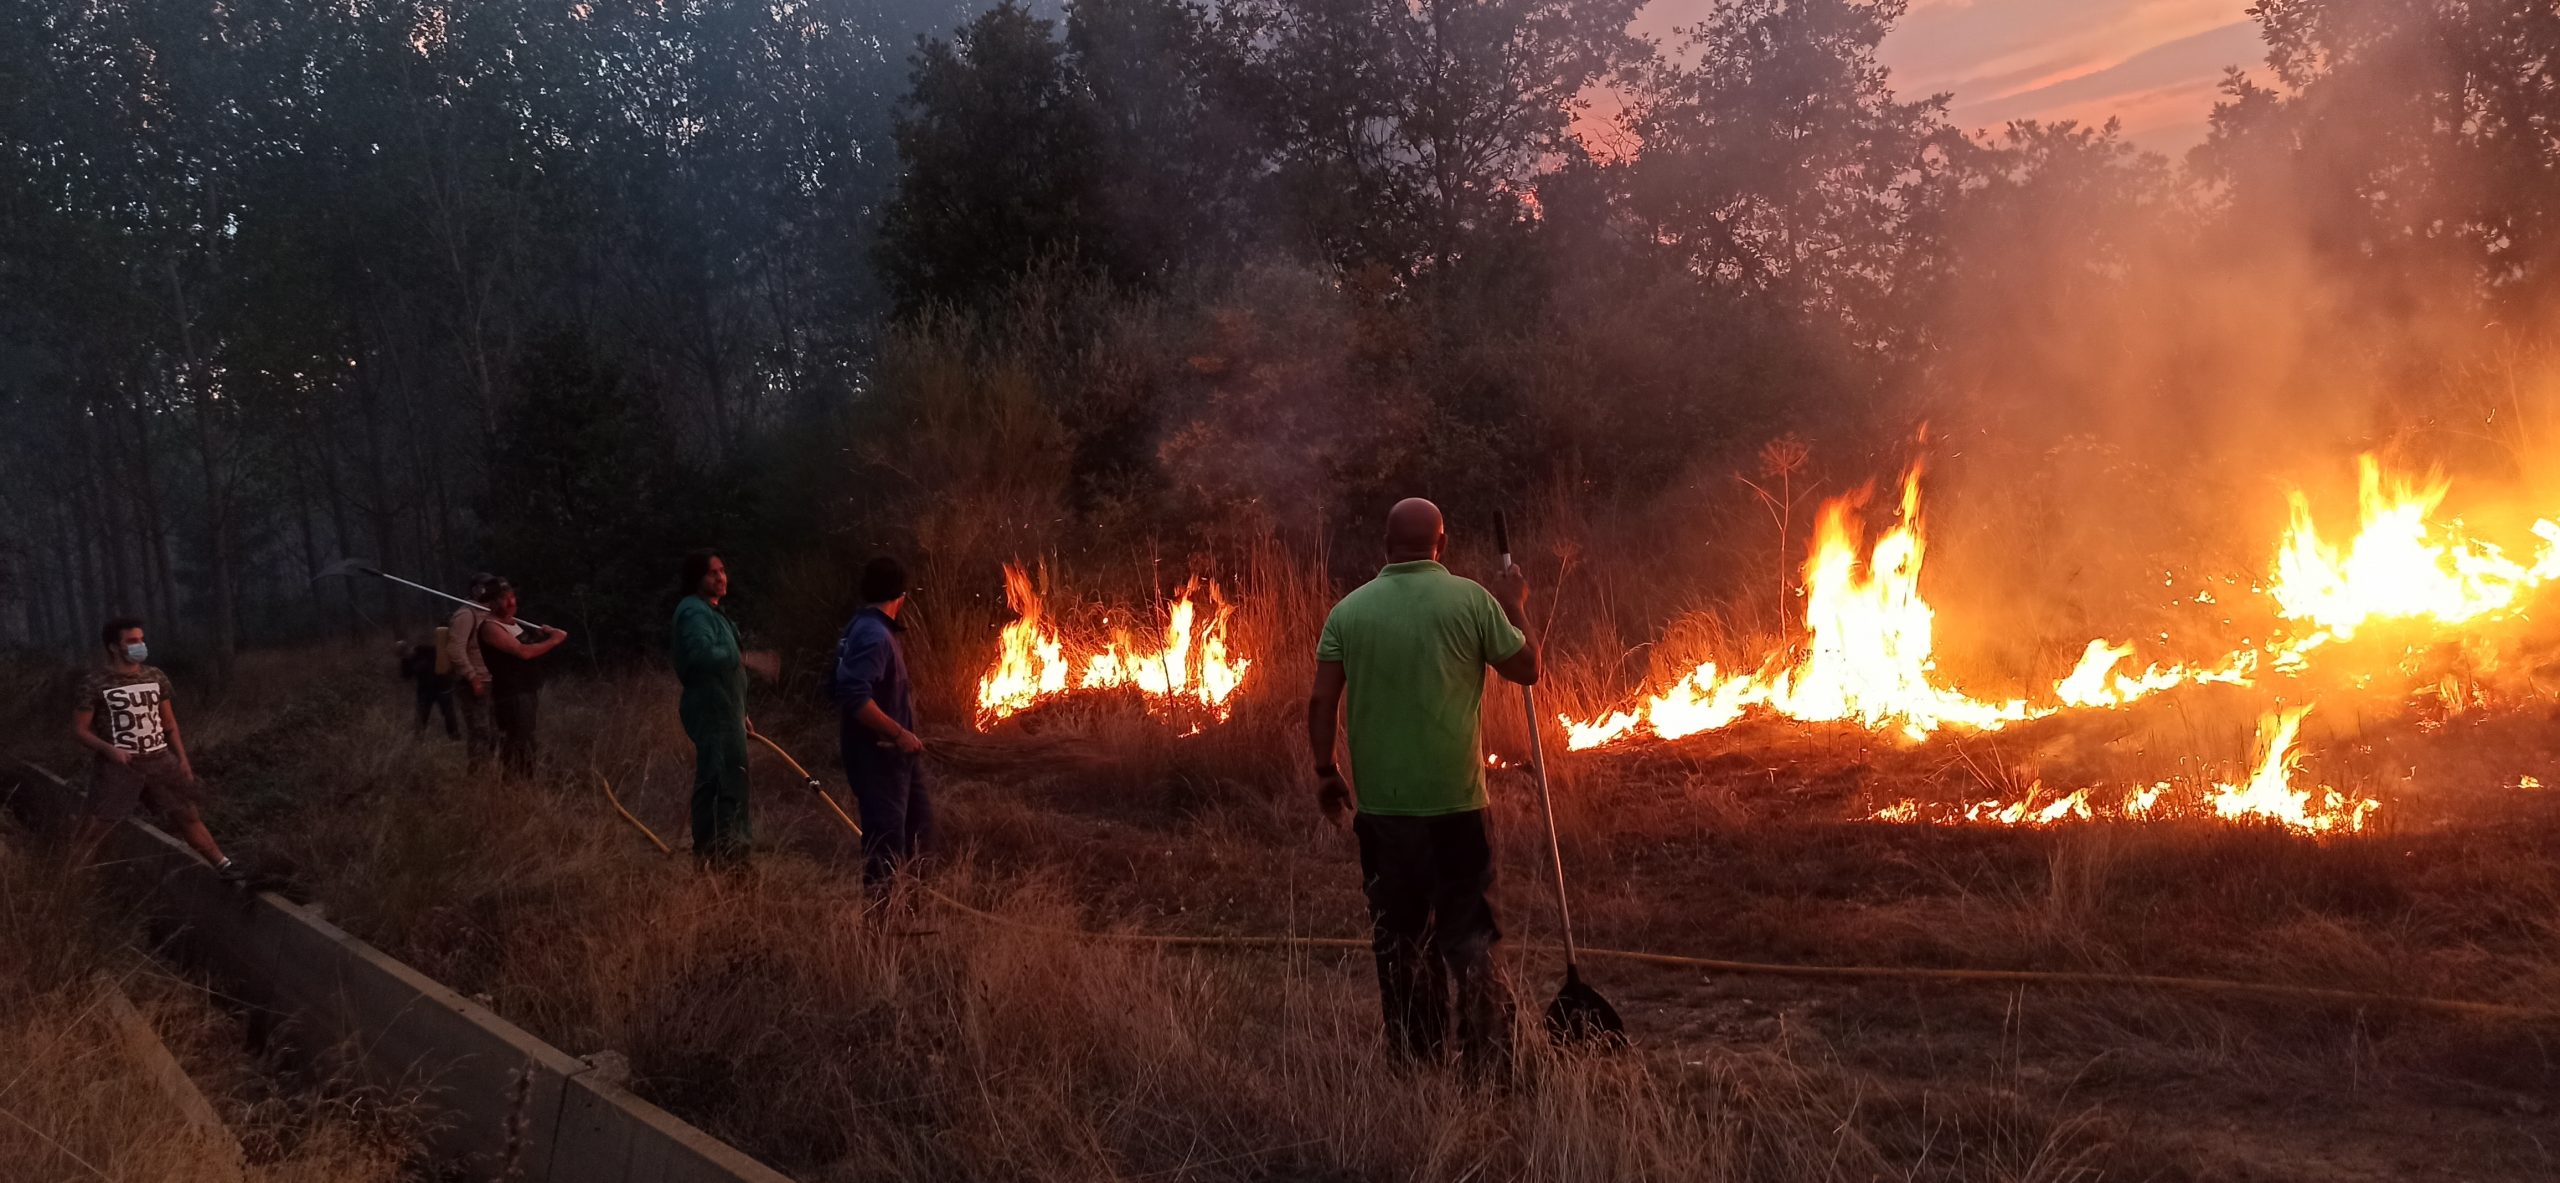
(714, 710)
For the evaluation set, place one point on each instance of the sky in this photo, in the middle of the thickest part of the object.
(2152, 63)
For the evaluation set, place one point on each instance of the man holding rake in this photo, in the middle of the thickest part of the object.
(1408, 651)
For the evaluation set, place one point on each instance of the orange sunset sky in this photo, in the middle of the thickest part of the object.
(2153, 63)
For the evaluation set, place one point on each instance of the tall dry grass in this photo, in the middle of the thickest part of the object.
(76, 1103)
(767, 1009)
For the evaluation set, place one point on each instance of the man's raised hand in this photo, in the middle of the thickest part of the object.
(1510, 588)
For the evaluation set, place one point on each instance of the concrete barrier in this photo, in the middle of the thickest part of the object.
(500, 1100)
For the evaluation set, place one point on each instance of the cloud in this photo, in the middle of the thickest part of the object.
(2163, 92)
(2155, 62)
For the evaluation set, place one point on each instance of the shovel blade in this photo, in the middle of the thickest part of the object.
(1579, 1015)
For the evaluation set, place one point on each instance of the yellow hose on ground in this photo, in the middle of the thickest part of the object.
(811, 781)
(654, 839)
(1884, 973)
(2015, 977)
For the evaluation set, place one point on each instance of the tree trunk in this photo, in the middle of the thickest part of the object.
(217, 493)
(379, 513)
(155, 550)
(339, 533)
(107, 503)
(302, 518)
(79, 571)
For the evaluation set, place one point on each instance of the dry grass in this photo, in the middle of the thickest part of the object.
(76, 1104)
(767, 1010)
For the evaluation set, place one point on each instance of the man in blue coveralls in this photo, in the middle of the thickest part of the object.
(883, 759)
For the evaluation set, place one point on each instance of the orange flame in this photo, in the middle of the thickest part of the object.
(1030, 660)
(1189, 666)
(2401, 565)
(2268, 795)
(1867, 655)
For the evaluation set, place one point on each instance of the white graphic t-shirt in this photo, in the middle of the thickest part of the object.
(125, 708)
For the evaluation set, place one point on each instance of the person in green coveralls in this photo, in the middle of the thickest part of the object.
(713, 668)
(1406, 654)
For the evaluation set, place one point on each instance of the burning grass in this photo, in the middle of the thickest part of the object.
(2165, 822)
(1185, 670)
(1867, 655)
(764, 1009)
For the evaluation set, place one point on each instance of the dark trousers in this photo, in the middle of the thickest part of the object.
(436, 694)
(516, 716)
(896, 808)
(1431, 926)
(722, 834)
(479, 728)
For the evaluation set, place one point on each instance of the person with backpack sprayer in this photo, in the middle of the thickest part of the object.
(1408, 651)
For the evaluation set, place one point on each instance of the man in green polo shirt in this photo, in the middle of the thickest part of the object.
(1411, 647)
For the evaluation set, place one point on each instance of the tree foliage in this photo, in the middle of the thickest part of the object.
(560, 287)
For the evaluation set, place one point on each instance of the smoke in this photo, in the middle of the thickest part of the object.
(2133, 361)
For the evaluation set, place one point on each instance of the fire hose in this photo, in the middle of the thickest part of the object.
(2274, 991)
(2014, 977)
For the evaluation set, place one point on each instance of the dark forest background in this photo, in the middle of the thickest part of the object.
(562, 289)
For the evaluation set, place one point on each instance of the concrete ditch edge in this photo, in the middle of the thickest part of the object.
(503, 1100)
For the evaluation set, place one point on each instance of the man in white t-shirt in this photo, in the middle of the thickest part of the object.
(125, 715)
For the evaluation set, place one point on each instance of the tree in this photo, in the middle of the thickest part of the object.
(589, 502)
(2411, 137)
(1181, 161)
(1402, 132)
(999, 165)
(1776, 158)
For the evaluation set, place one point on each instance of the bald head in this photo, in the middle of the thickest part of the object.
(1414, 531)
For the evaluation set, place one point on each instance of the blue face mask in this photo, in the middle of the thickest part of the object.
(137, 651)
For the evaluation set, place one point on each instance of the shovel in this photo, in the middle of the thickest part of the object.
(1579, 1014)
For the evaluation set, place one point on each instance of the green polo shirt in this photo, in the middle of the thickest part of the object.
(1414, 644)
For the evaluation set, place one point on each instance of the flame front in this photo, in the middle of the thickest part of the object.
(1188, 667)
(1030, 660)
(2268, 795)
(2401, 565)
(1867, 656)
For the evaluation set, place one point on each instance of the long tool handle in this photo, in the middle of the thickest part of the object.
(1555, 851)
(1538, 764)
(438, 594)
